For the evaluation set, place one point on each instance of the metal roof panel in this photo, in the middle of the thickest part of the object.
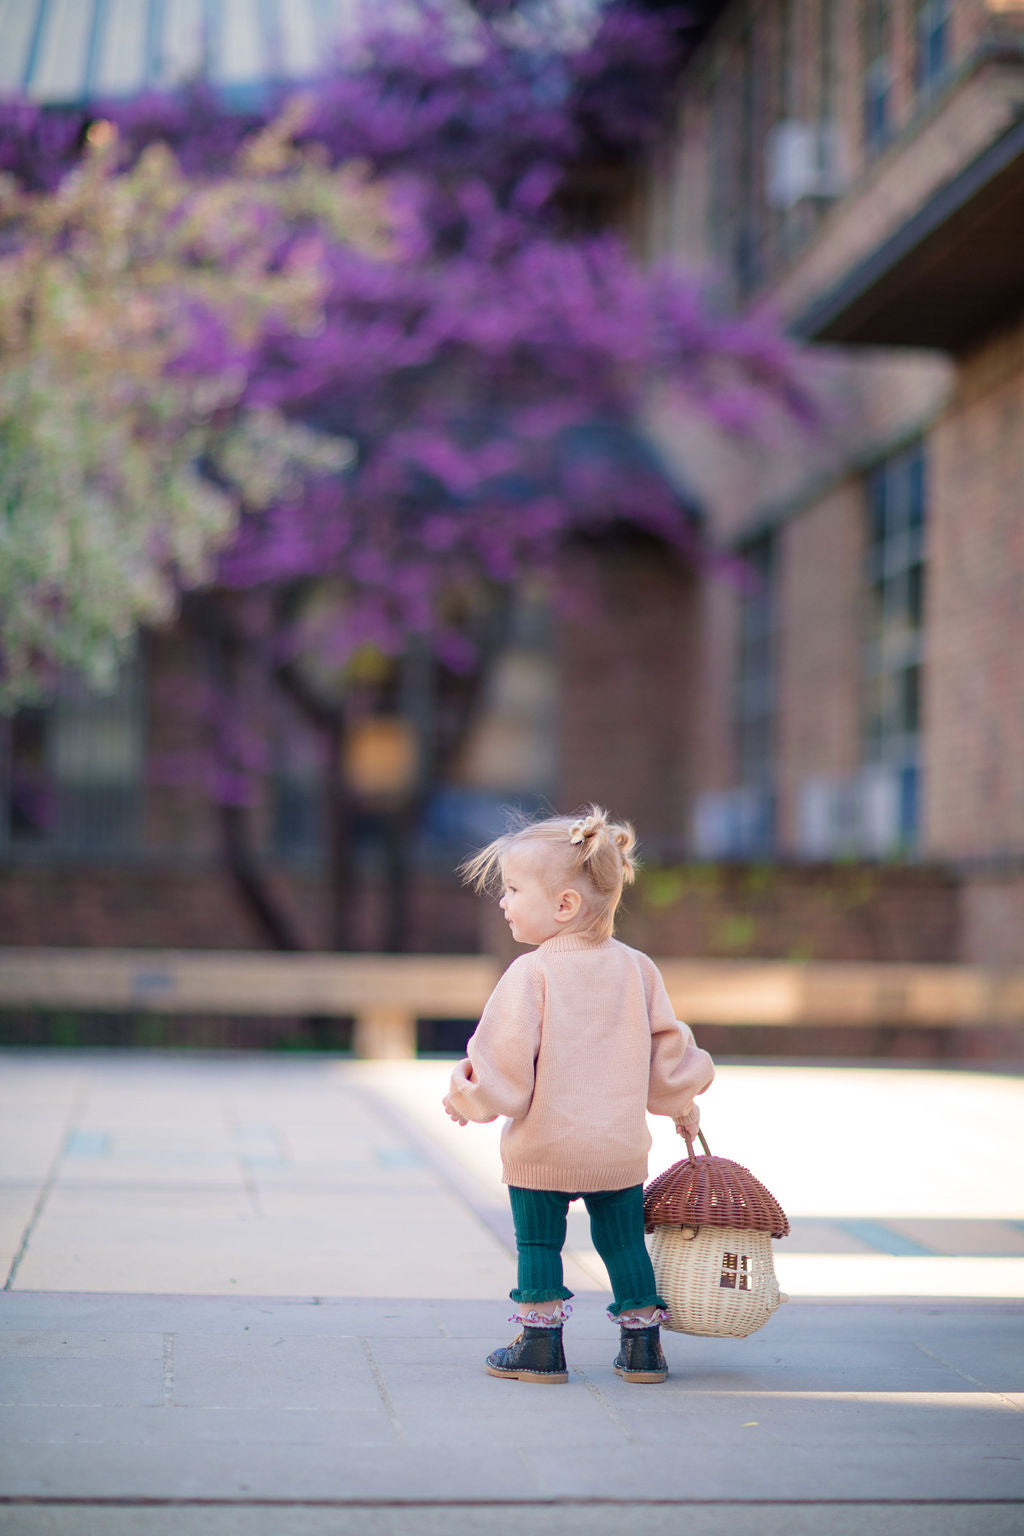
(60, 62)
(66, 51)
(17, 29)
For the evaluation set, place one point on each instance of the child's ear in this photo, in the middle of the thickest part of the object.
(569, 904)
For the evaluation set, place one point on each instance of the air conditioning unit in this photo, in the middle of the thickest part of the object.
(881, 797)
(803, 160)
(860, 815)
(827, 818)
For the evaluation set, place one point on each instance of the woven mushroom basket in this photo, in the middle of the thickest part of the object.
(711, 1224)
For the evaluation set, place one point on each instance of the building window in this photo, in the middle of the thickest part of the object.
(828, 61)
(932, 28)
(740, 822)
(877, 29)
(297, 823)
(721, 170)
(747, 238)
(894, 656)
(739, 98)
(755, 683)
(72, 773)
(509, 753)
(787, 111)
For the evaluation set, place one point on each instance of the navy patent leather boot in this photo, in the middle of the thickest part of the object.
(640, 1356)
(536, 1355)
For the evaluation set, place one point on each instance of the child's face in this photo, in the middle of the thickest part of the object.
(533, 909)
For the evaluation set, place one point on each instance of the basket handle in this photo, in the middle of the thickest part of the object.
(689, 1143)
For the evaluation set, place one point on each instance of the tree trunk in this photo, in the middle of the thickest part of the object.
(342, 880)
(221, 648)
(398, 829)
(250, 881)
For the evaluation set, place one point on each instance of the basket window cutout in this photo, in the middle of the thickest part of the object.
(735, 1272)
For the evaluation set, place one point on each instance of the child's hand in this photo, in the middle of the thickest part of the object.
(453, 1113)
(688, 1124)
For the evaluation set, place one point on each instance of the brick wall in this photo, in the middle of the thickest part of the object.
(779, 912)
(820, 651)
(177, 801)
(810, 912)
(933, 133)
(992, 923)
(156, 906)
(974, 694)
(714, 734)
(627, 652)
(894, 185)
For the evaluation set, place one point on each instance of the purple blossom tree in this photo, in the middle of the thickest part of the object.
(484, 370)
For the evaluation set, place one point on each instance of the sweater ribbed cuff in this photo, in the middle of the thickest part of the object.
(576, 1180)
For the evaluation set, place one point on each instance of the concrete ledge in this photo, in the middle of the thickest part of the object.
(387, 993)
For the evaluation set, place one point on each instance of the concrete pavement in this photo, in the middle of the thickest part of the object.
(251, 1295)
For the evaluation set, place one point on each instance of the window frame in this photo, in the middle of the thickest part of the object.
(877, 27)
(933, 19)
(895, 619)
(755, 684)
(98, 812)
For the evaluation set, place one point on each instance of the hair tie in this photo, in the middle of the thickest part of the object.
(580, 830)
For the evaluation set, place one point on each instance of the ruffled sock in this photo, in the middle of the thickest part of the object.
(534, 1319)
(630, 1319)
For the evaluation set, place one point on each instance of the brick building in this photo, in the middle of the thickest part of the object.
(830, 749)
(857, 166)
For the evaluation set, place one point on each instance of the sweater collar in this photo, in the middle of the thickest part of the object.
(570, 943)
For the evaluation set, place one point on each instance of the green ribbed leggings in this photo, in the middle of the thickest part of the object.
(617, 1227)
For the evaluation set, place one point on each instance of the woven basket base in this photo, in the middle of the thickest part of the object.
(690, 1274)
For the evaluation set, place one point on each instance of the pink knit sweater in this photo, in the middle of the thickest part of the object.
(577, 1041)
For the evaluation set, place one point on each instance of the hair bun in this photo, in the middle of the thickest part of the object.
(579, 831)
(584, 828)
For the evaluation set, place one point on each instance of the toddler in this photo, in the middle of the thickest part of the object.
(577, 1041)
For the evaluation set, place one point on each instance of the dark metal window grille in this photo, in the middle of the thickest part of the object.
(828, 63)
(750, 153)
(877, 88)
(756, 702)
(739, 97)
(73, 771)
(932, 40)
(894, 641)
(722, 160)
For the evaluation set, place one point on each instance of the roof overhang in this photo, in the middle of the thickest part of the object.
(951, 274)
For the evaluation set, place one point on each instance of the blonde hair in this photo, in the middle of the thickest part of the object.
(588, 848)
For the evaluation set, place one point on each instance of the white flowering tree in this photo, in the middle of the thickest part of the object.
(132, 303)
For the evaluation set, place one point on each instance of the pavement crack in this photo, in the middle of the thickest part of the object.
(382, 1389)
(249, 1184)
(974, 1381)
(606, 1405)
(50, 1180)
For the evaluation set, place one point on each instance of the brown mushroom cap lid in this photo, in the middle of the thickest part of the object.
(712, 1192)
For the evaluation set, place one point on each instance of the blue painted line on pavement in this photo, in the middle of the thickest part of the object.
(398, 1157)
(877, 1235)
(88, 1144)
(260, 1147)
